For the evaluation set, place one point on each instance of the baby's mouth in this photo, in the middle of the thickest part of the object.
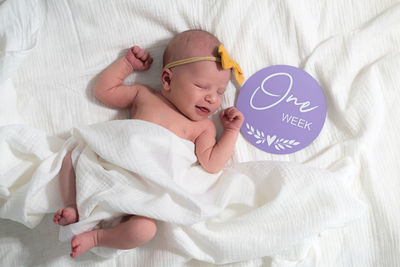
(203, 110)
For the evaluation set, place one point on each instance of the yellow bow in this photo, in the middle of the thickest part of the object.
(228, 63)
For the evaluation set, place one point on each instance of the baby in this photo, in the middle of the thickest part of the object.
(194, 78)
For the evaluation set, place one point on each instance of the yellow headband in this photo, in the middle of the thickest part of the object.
(226, 61)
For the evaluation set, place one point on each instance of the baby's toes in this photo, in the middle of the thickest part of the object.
(57, 216)
(75, 242)
(75, 251)
(76, 246)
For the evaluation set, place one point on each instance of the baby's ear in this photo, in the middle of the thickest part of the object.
(166, 76)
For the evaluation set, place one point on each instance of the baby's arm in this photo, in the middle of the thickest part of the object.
(109, 88)
(211, 155)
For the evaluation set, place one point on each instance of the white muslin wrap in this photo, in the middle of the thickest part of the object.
(246, 211)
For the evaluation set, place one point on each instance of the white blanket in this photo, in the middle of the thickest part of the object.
(20, 23)
(137, 167)
(350, 47)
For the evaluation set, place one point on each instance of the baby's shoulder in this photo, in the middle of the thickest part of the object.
(206, 126)
(144, 88)
(145, 91)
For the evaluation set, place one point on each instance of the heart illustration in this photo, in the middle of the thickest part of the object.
(270, 139)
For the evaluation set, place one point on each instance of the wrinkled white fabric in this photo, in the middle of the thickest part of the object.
(19, 29)
(350, 47)
(137, 167)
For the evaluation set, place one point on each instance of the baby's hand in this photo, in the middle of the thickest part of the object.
(231, 118)
(139, 58)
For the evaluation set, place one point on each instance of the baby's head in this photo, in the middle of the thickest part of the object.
(196, 88)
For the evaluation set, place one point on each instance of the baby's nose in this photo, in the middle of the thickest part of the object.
(211, 98)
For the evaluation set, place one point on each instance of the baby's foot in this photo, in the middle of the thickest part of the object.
(83, 242)
(66, 216)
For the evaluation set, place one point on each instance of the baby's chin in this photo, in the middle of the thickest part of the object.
(196, 117)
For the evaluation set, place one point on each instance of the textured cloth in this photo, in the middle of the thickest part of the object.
(350, 47)
(137, 167)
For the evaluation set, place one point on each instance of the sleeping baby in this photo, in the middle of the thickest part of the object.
(196, 72)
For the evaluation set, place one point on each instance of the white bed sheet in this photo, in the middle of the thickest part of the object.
(350, 47)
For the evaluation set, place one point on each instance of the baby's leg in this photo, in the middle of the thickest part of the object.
(129, 234)
(69, 214)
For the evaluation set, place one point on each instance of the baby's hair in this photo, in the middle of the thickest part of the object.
(191, 43)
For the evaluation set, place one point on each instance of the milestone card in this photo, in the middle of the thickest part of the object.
(284, 109)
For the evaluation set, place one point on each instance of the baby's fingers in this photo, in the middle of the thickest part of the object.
(149, 61)
(141, 54)
(135, 50)
(231, 112)
(224, 115)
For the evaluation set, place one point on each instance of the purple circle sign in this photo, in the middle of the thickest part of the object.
(284, 109)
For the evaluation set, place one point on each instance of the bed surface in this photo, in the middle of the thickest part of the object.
(51, 53)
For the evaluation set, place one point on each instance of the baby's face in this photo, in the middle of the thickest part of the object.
(196, 89)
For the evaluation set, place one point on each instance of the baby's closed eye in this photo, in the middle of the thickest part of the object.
(221, 91)
(202, 86)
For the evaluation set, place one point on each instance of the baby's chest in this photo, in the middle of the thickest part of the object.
(156, 111)
(179, 125)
